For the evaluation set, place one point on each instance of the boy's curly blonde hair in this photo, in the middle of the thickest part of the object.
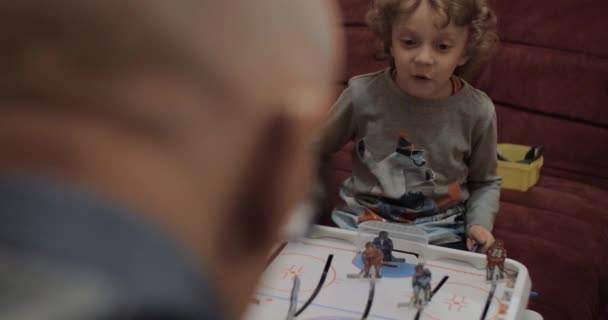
(476, 14)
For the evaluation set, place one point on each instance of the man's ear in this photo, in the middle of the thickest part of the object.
(265, 193)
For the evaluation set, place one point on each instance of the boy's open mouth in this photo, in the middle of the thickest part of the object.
(421, 77)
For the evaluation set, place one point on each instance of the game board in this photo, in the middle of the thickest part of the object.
(463, 296)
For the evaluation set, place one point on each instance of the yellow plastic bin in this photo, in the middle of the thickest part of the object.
(518, 174)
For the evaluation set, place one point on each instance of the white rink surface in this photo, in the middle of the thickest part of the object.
(463, 296)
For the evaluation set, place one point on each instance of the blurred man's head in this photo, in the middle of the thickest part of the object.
(197, 113)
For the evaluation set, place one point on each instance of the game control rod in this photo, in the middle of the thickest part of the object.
(370, 296)
(319, 286)
(293, 300)
(489, 301)
(275, 253)
(439, 285)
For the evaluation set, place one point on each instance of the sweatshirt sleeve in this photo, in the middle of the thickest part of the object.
(483, 181)
(340, 127)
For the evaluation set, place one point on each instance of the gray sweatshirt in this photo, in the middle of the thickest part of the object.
(416, 158)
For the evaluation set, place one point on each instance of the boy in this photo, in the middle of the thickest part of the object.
(425, 140)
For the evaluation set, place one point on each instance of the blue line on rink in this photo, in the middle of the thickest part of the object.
(358, 313)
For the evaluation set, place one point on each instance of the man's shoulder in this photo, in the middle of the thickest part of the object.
(42, 288)
(58, 250)
(45, 288)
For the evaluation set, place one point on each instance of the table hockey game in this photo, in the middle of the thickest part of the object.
(464, 294)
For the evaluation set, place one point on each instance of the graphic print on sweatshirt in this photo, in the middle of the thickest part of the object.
(405, 184)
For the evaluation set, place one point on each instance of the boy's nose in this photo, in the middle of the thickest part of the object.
(425, 56)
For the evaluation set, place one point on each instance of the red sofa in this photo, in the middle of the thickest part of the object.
(549, 82)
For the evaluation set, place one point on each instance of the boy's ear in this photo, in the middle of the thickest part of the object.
(463, 60)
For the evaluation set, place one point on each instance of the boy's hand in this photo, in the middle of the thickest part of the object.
(482, 236)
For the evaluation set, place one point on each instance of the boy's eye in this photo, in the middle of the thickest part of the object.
(443, 46)
(408, 42)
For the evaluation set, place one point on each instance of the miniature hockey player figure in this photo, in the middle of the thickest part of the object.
(496, 255)
(502, 308)
(372, 256)
(421, 281)
(384, 243)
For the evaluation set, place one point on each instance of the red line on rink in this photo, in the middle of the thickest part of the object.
(309, 256)
(483, 290)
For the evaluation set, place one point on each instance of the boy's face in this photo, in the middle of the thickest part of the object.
(425, 55)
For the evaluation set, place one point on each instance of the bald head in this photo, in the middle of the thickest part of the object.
(196, 113)
(93, 50)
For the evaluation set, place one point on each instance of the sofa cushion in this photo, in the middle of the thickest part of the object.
(567, 25)
(558, 230)
(361, 53)
(353, 11)
(552, 82)
(567, 286)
